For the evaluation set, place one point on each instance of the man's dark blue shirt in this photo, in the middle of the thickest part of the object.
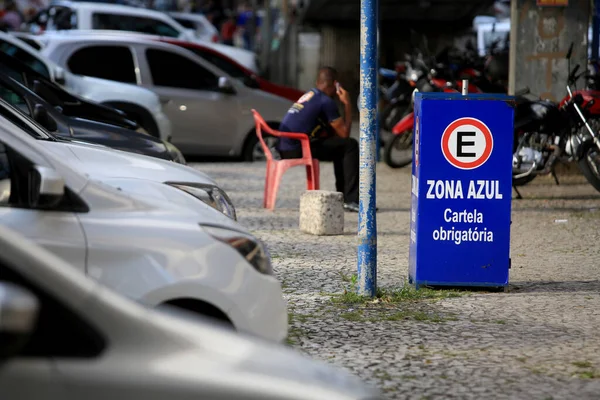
(309, 114)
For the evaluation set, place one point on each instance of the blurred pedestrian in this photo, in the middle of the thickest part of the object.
(228, 29)
(11, 19)
(244, 24)
(316, 114)
(213, 11)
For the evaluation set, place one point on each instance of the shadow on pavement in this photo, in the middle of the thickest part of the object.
(553, 286)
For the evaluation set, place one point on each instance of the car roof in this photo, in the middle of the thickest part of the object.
(101, 6)
(120, 39)
(187, 44)
(189, 16)
(142, 37)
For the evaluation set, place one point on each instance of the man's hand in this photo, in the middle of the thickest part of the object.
(343, 95)
(342, 128)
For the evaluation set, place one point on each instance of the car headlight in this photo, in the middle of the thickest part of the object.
(176, 155)
(250, 248)
(210, 195)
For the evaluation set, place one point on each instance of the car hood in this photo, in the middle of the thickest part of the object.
(102, 162)
(118, 138)
(248, 355)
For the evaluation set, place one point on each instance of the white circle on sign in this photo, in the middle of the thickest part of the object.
(467, 143)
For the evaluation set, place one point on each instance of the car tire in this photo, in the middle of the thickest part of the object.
(252, 151)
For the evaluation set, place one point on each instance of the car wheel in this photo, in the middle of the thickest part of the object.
(253, 151)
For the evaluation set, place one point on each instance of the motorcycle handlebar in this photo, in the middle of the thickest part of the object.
(570, 51)
(571, 77)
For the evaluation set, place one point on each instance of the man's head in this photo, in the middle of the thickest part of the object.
(326, 80)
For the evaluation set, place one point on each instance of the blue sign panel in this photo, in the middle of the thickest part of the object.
(461, 190)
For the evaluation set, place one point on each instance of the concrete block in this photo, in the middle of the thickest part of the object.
(322, 212)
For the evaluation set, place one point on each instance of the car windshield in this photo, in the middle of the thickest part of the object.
(11, 113)
(186, 23)
(26, 58)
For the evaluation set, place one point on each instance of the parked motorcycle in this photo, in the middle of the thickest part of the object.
(546, 133)
(398, 149)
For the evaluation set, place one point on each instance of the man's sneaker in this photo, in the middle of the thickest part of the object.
(354, 207)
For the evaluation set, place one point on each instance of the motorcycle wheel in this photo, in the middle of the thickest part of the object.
(590, 165)
(398, 151)
(391, 114)
(523, 181)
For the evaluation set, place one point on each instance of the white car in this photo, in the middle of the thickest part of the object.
(65, 15)
(66, 337)
(201, 26)
(210, 111)
(140, 104)
(173, 250)
(101, 162)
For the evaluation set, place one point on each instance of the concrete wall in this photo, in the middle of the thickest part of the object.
(540, 38)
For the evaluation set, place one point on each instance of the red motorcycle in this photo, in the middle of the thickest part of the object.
(398, 150)
(547, 133)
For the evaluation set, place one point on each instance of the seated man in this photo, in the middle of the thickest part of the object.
(316, 115)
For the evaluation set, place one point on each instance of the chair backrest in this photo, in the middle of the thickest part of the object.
(260, 126)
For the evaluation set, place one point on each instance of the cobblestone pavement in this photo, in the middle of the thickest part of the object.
(538, 341)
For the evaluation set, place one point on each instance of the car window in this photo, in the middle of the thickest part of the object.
(133, 24)
(220, 62)
(10, 115)
(25, 57)
(186, 23)
(59, 332)
(13, 73)
(14, 99)
(30, 42)
(107, 62)
(186, 75)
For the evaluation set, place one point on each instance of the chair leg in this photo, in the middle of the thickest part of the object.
(274, 186)
(312, 176)
(268, 180)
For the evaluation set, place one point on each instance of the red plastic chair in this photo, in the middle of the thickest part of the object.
(276, 168)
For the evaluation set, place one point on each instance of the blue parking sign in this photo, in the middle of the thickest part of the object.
(461, 190)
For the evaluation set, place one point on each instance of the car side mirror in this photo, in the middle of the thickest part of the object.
(41, 116)
(226, 86)
(18, 315)
(59, 76)
(46, 187)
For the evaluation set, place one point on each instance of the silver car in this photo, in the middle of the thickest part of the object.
(210, 111)
(64, 336)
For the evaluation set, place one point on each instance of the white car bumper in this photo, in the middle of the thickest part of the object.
(259, 308)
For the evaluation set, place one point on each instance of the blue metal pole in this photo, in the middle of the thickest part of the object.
(378, 129)
(595, 29)
(367, 223)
